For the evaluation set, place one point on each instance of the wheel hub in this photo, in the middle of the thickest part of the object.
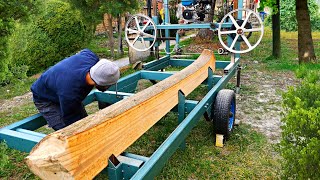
(240, 31)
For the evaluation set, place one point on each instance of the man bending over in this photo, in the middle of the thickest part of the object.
(59, 92)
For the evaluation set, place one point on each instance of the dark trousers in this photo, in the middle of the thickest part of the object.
(52, 114)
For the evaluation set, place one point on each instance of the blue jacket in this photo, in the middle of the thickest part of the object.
(65, 84)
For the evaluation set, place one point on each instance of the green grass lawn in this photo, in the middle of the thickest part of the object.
(289, 52)
(247, 154)
(99, 45)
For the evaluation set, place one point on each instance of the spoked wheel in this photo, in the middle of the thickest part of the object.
(140, 28)
(241, 30)
(224, 112)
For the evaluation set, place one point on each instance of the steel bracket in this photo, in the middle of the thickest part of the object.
(124, 166)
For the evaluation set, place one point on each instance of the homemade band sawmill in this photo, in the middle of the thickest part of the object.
(99, 141)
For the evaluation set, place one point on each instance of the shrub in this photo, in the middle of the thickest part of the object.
(64, 27)
(31, 46)
(12, 11)
(3, 59)
(300, 143)
(50, 37)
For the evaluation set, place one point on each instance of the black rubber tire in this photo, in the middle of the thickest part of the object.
(103, 105)
(221, 112)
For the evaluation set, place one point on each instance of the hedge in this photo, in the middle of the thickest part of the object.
(50, 37)
(300, 144)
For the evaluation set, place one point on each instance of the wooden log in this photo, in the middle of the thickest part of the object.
(81, 150)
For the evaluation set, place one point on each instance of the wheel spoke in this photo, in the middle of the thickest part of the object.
(252, 30)
(145, 26)
(234, 21)
(148, 35)
(234, 41)
(246, 41)
(246, 20)
(228, 32)
(137, 23)
(133, 31)
(144, 43)
(135, 40)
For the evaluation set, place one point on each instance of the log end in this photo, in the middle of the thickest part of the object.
(44, 159)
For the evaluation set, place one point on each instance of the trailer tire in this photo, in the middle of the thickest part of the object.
(224, 112)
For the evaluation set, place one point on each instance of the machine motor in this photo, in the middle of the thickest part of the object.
(195, 10)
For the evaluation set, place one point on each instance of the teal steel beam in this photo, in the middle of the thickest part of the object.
(159, 66)
(181, 62)
(189, 106)
(222, 64)
(135, 156)
(155, 75)
(181, 112)
(127, 84)
(158, 159)
(111, 97)
(156, 63)
(215, 79)
(33, 133)
(124, 167)
(213, 26)
(30, 123)
(18, 140)
(210, 81)
(90, 98)
(166, 21)
(210, 78)
(187, 62)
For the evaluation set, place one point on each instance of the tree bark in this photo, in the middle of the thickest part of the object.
(120, 45)
(211, 14)
(149, 8)
(110, 34)
(276, 43)
(305, 43)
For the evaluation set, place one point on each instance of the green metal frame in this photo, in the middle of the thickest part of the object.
(21, 135)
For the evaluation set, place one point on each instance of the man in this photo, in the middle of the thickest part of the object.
(59, 92)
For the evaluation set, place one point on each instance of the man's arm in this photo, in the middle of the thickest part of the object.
(72, 109)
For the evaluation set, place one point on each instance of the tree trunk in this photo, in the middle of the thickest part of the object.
(211, 13)
(120, 46)
(305, 43)
(276, 48)
(207, 33)
(149, 8)
(110, 35)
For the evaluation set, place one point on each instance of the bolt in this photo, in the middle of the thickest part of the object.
(240, 31)
(206, 105)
